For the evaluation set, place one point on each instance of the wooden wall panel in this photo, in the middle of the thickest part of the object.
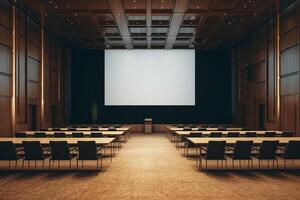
(272, 70)
(28, 73)
(5, 68)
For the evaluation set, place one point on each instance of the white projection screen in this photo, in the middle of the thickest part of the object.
(149, 77)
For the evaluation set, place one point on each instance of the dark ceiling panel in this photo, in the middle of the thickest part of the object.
(151, 23)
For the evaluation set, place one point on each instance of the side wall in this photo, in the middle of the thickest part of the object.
(272, 97)
(31, 64)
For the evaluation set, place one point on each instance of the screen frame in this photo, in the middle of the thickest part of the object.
(147, 106)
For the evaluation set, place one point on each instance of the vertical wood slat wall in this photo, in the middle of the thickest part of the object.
(28, 69)
(260, 51)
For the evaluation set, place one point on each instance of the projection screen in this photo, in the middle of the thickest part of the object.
(149, 77)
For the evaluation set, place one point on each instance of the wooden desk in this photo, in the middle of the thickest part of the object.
(86, 133)
(207, 133)
(231, 141)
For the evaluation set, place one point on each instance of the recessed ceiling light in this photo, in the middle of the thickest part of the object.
(50, 1)
(197, 7)
(225, 14)
(75, 14)
(56, 7)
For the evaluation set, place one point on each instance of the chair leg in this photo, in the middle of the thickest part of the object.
(16, 164)
(259, 164)
(77, 163)
(252, 163)
(70, 163)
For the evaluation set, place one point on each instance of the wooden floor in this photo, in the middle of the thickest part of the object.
(149, 167)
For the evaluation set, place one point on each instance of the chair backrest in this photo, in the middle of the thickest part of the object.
(105, 126)
(250, 134)
(94, 129)
(33, 150)
(77, 135)
(44, 129)
(222, 129)
(117, 126)
(60, 134)
(112, 129)
(59, 150)
(270, 134)
(287, 134)
(87, 150)
(242, 150)
(215, 134)
(292, 150)
(216, 150)
(40, 134)
(20, 135)
(233, 134)
(195, 134)
(56, 129)
(8, 151)
(96, 134)
(268, 149)
(187, 129)
(71, 129)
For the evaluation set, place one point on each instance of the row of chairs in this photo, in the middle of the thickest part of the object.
(244, 150)
(57, 151)
(60, 135)
(247, 134)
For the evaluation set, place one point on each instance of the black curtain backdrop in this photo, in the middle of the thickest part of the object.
(213, 92)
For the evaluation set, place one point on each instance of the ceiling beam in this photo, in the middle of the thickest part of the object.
(177, 18)
(148, 23)
(120, 18)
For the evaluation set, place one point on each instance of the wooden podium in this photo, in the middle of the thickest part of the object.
(148, 125)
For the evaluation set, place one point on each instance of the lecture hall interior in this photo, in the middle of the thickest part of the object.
(149, 99)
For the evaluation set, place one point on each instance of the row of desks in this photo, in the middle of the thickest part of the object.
(86, 133)
(207, 133)
(230, 141)
(199, 129)
(89, 129)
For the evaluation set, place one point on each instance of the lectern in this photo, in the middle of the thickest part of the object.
(148, 125)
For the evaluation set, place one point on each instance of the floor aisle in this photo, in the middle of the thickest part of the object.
(149, 167)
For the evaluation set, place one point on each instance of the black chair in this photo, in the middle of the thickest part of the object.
(8, 152)
(112, 129)
(214, 151)
(60, 151)
(117, 126)
(215, 134)
(71, 129)
(250, 134)
(221, 129)
(20, 135)
(87, 150)
(242, 151)
(188, 143)
(267, 151)
(33, 152)
(96, 134)
(287, 134)
(60, 134)
(94, 129)
(233, 134)
(291, 151)
(40, 134)
(270, 134)
(77, 135)
(44, 129)
(55, 129)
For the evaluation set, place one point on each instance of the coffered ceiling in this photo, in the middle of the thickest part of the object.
(152, 23)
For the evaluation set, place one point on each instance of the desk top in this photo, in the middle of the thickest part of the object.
(69, 140)
(106, 133)
(89, 129)
(257, 140)
(182, 133)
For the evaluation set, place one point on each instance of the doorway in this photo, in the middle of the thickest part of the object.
(261, 115)
(32, 117)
